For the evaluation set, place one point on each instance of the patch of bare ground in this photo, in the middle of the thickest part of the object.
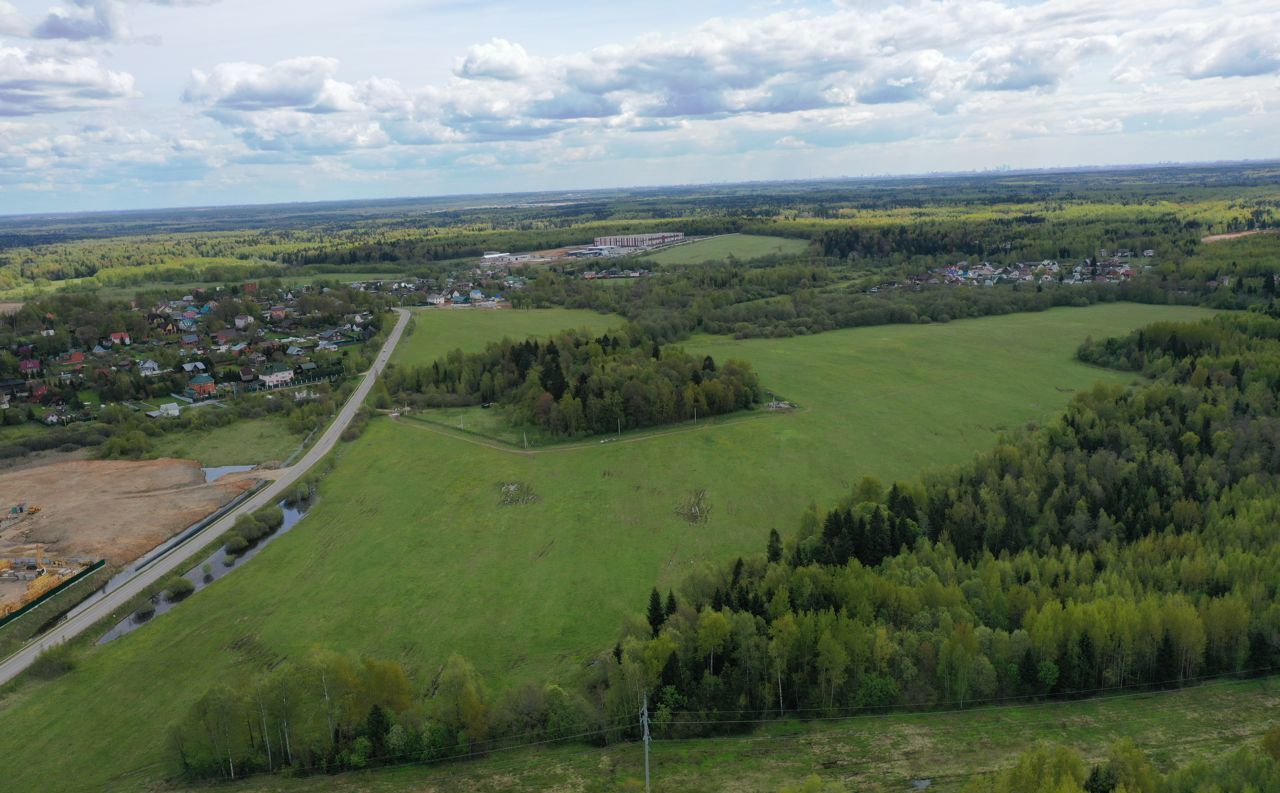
(108, 509)
(1232, 235)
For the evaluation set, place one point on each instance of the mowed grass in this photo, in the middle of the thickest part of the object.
(438, 331)
(865, 753)
(244, 442)
(411, 555)
(739, 246)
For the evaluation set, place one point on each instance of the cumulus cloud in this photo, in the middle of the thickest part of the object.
(32, 83)
(498, 59)
(1252, 53)
(88, 19)
(303, 84)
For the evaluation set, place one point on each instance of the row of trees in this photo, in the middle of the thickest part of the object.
(331, 713)
(579, 384)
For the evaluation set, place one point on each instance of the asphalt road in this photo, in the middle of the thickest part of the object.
(170, 563)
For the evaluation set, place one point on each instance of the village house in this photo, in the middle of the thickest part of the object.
(243, 321)
(276, 375)
(148, 368)
(201, 387)
(29, 367)
(194, 366)
(121, 337)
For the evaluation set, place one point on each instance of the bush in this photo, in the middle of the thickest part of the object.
(248, 527)
(145, 612)
(236, 545)
(178, 588)
(54, 662)
(270, 518)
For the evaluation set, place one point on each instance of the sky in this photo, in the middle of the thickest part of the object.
(120, 104)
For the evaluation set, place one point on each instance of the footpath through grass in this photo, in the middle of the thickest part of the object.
(411, 553)
(739, 246)
(866, 753)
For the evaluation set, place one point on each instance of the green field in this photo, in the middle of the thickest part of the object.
(739, 246)
(410, 555)
(439, 331)
(244, 442)
(866, 753)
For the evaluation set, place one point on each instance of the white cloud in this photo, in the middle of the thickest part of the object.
(298, 83)
(498, 59)
(88, 19)
(32, 82)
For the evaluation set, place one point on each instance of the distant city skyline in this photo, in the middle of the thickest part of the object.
(125, 104)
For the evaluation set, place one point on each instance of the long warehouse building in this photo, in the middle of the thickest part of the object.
(641, 240)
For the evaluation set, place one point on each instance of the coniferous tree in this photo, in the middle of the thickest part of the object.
(774, 550)
(656, 615)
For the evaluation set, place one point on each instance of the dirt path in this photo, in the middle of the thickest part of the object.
(489, 443)
(1212, 238)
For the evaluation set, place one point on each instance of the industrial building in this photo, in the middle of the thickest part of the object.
(640, 240)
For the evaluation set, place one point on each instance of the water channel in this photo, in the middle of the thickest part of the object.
(219, 564)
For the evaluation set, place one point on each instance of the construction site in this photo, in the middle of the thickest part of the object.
(57, 519)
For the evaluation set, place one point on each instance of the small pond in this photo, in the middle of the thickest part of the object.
(216, 472)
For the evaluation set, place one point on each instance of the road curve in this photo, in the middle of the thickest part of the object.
(164, 566)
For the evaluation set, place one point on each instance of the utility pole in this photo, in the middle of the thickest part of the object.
(644, 723)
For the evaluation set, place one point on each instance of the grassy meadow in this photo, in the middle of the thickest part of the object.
(411, 554)
(436, 332)
(739, 246)
(244, 442)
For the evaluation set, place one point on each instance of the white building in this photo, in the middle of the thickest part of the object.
(641, 240)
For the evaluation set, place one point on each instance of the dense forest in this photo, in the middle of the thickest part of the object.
(576, 384)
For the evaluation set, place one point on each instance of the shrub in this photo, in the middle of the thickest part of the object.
(236, 545)
(270, 518)
(178, 588)
(54, 662)
(145, 612)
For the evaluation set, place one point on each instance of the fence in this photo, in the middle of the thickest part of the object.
(5, 620)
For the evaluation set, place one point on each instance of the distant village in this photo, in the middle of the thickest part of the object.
(1109, 267)
(198, 352)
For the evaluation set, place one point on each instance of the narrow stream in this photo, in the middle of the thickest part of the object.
(216, 566)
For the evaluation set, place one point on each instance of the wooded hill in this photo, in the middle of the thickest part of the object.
(576, 384)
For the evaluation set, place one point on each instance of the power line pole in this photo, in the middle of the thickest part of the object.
(644, 724)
